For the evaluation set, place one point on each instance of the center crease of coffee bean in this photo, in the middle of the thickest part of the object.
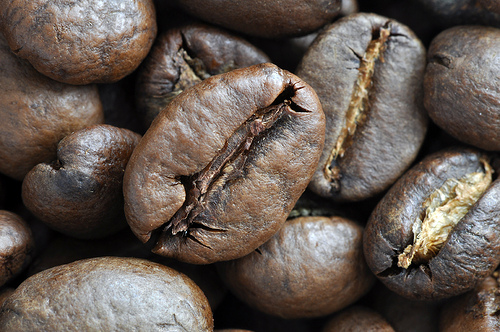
(443, 210)
(227, 165)
(359, 105)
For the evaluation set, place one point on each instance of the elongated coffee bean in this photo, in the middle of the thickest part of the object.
(367, 71)
(436, 232)
(221, 167)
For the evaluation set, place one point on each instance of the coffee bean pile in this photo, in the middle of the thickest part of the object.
(219, 165)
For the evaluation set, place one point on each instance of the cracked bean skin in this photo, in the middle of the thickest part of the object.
(16, 245)
(107, 294)
(221, 167)
(80, 192)
(37, 112)
(312, 267)
(462, 94)
(472, 248)
(367, 71)
(182, 57)
(82, 42)
(264, 18)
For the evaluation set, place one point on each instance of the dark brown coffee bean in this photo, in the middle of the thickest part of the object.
(182, 57)
(367, 71)
(312, 267)
(358, 318)
(456, 12)
(80, 193)
(107, 294)
(220, 169)
(436, 233)
(37, 112)
(477, 310)
(404, 314)
(85, 42)
(16, 245)
(462, 94)
(264, 18)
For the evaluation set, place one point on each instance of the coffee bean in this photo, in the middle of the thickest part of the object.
(107, 294)
(80, 193)
(357, 318)
(37, 112)
(184, 56)
(462, 94)
(89, 41)
(435, 234)
(367, 71)
(481, 12)
(222, 166)
(474, 311)
(312, 267)
(265, 18)
(16, 245)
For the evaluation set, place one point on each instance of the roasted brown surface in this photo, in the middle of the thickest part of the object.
(358, 318)
(184, 56)
(312, 267)
(81, 42)
(219, 170)
(80, 192)
(264, 18)
(462, 94)
(16, 245)
(107, 294)
(476, 310)
(36, 112)
(367, 71)
(472, 248)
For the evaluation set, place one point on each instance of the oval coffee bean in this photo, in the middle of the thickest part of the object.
(37, 112)
(80, 193)
(436, 233)
(107, 294)
(312, 267)
(89, 41)
(462, 90)
(265, 18)
(222, 166)
(367, 71)
(16, 245)
(184, 56)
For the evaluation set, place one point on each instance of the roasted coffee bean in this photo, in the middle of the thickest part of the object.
(358, 318)
(184, 56)
(477, 310)
(456, 12)
(265, 18)
(367, 71)
(37, 112)
(436, 233)
(89, 41)
(107, 294)
(462, 94)
(404, 314)
(221, 167)
(312, 267)
(16, 245)
(80, 193)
